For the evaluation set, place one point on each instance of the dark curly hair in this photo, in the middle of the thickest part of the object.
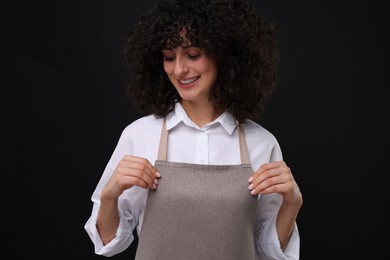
(240, 40)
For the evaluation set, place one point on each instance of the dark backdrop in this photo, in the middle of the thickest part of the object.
(63, 107)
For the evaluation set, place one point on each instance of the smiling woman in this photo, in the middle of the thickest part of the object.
(193, 74)
(242, 43)
(199, 71)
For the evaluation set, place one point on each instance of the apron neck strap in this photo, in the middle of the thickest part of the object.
(162, 149)
(243, 146)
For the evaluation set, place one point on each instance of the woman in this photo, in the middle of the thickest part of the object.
(218, 187)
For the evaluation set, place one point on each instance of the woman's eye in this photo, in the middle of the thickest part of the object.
(169, 58)
(193, 56)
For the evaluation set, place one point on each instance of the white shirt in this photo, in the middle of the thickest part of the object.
(215, 143)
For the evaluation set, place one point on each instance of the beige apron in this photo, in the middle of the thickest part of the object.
(199, 211)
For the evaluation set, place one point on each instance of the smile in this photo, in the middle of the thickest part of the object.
(188, 81)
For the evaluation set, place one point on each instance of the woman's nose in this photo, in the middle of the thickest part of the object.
(181, 67)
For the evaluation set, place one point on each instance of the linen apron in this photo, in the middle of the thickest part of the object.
(199, 212)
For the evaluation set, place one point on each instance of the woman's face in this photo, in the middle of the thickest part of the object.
(191, 72)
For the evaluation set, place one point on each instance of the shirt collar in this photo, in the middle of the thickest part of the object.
(178, 115)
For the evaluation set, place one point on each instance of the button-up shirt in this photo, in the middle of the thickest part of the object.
(215, 143)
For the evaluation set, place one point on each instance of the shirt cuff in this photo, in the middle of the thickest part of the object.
(122, 240)
(268, 244)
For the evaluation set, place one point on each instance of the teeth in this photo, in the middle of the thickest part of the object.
(188, 81)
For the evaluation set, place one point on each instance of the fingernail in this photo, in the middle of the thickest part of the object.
(155, 181)
(250, 187)
(250, 179)
(158, 174)
(154, 186)
(253, 192)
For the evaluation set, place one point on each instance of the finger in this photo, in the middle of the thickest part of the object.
(271, 184)
(269, 173)
(138, 170)
(265, 167)
(138, 182)
(142, 176)
(271, 165)
(143, 164)
(123, 179)
(279, 188)
(135, 181)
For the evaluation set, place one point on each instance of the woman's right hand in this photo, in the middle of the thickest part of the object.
(131, 171)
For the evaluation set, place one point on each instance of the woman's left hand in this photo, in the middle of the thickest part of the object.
(275, 177)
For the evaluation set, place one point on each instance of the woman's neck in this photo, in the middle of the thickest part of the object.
(200, 113)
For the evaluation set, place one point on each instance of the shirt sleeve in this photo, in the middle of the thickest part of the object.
(267, 242)
(123, 238)
(266, 237)
(130, 206)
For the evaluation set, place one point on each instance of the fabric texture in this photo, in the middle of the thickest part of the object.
(199, 211)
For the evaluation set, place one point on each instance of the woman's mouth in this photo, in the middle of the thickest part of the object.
(187, 83)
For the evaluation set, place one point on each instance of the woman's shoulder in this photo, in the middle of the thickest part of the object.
(256, 131)
(149, 124)
(262, 144)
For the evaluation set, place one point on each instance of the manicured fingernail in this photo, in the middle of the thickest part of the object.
(154, 186)
(250, 187)
(158, 174)
(253, 192)
(155, 181)
(250, 179)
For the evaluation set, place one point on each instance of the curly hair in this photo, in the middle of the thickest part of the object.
(239, 39)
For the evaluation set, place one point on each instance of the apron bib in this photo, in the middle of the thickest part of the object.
(199, 212)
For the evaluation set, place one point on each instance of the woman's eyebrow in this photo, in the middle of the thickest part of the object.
(185, 47)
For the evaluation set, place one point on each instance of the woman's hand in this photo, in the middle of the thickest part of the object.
(275, 177)
(131, 171)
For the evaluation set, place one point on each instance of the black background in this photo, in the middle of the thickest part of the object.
(63, 107)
